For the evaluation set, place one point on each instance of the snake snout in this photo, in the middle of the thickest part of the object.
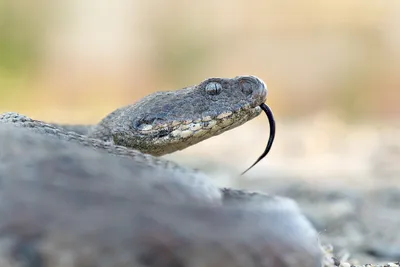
(254, 88)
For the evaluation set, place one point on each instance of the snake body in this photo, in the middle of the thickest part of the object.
(99, 195)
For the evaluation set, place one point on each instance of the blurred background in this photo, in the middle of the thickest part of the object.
(331, 68)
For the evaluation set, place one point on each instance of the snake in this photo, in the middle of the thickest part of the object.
(102, 195)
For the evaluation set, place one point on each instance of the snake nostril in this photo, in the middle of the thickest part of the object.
(246, 87)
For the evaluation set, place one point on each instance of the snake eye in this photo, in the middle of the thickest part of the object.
(213, 88)
(246, 87)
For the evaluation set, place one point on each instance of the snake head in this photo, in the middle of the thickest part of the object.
(168, 121)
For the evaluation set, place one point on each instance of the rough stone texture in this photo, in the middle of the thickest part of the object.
(62, 204)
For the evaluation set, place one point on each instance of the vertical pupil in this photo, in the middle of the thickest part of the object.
(213, 88)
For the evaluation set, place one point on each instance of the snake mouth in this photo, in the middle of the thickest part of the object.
(272, 127)
(182, 129)
(195, 131)
(170, 136)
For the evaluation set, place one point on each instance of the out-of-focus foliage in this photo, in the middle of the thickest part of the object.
(17, 43)
(89, 55)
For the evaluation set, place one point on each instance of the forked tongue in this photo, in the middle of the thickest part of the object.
(271, 121)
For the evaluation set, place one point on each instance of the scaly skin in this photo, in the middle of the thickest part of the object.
(165, 122)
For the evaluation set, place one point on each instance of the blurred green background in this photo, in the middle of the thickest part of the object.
(77, 60)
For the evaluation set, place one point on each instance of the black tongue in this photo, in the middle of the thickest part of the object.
(272, 128)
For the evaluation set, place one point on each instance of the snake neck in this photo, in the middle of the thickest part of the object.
(73, 133)
(98, 131)
(81, 129)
